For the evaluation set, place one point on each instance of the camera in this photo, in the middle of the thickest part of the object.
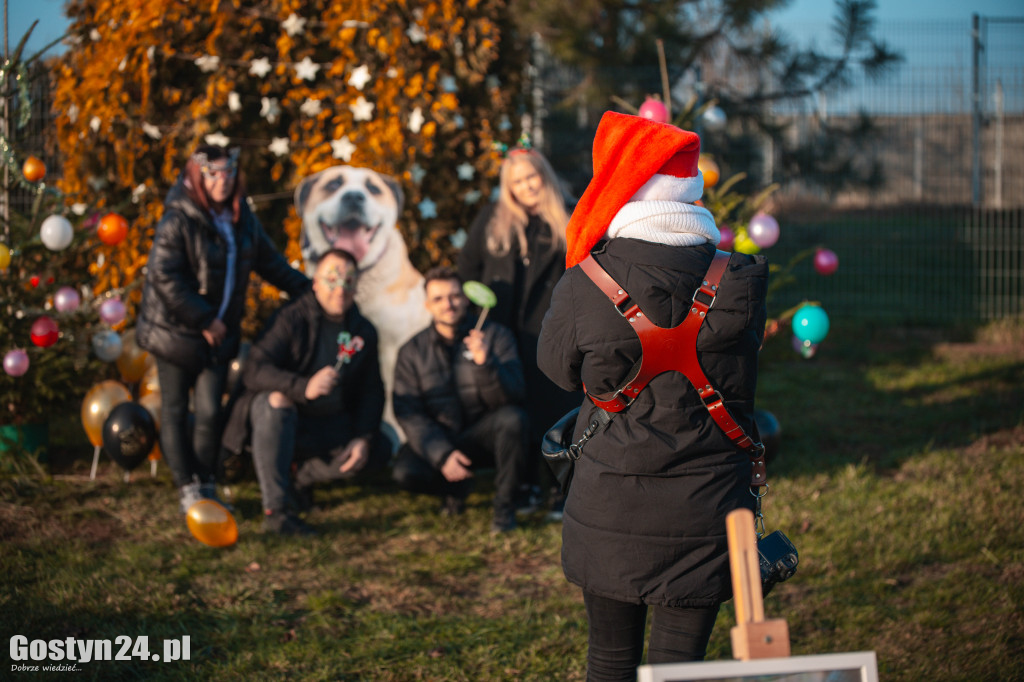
(778, 558)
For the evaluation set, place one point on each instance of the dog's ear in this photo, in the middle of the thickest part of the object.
(396, 189)
(303, 190)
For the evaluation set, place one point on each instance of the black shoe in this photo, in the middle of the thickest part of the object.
(528, 500)
(504, 521)
(284, 523)
(556, 505)
(453, 506)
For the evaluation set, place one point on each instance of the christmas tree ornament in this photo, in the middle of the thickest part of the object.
(56, 233)
(709, 169)
(33, 169)
(763, 230)
(112, 229)
(44, 332)
(106, 344)
(655, 110)
(16, 362)
(112, 311)
(66, 300)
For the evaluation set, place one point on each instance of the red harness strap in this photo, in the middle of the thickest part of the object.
(675, 349)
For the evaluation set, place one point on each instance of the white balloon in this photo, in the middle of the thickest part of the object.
(56, 233)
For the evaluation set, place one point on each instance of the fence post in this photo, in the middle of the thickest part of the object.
(976, 110)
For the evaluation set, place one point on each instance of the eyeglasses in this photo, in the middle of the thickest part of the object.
(219, 172)
(332, 283)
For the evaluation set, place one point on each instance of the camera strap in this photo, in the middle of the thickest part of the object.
(675, 349)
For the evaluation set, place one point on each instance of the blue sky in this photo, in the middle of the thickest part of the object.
(798, 14)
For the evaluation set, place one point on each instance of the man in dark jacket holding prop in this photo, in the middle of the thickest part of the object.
(458, 395)
(313, 391)
(644, 522)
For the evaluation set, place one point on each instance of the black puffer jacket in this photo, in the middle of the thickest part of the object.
(185, 279)
(439, 393)
(645, 516)
(283, 359)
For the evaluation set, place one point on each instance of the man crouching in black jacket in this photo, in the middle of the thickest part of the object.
(314, 395)
(458, 395)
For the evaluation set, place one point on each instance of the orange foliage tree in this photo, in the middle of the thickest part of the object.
(418, 89)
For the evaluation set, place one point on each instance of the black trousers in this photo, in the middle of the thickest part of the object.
(498, 439)
(616, 636)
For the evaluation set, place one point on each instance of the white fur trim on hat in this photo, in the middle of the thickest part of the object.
(665, 222)
(670, 188)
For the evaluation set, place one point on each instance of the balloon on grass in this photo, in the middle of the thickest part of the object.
(211, 524)
(825, 261)
(810, 324)
(763, 230)
(98, 403)
(129, 433)
(16, 362)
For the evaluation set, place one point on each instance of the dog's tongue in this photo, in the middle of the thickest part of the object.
(356, 247)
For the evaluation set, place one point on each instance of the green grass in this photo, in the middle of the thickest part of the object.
(899, 478)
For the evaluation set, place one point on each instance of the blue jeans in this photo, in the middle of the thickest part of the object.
(616, 636)
(196, 457)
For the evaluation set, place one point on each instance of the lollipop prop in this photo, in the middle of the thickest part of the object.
(481, 295)
(348, 346)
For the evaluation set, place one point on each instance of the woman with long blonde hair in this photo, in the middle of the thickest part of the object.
(516, 246)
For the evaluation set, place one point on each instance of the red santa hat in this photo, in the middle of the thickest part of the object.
(635, 159)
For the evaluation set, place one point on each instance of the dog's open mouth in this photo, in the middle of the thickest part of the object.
(352, 234)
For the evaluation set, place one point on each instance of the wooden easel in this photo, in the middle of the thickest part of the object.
(753, 636)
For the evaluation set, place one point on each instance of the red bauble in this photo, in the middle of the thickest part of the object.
(655, 110)
(826, 261)
(34, 281)
(44, 332)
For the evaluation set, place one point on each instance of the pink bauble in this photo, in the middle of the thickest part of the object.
(728, 238)
(763, 230)
(655, 110)
(44, 332)
(112, 311)
(826, 261)
(16, 362)
(66, 300)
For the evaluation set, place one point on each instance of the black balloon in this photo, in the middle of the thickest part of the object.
(129, 434)
(770, 431)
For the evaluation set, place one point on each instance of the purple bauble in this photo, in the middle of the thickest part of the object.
(826, 261)
(66, 300)
(16, 362)
(112, 311)
(763, 230)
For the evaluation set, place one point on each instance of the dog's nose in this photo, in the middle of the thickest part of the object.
(353, 199)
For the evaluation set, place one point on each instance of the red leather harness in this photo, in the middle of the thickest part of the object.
(675, 349)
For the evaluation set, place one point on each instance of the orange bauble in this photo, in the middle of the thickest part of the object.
(34, 169)
(112, 229)
(710, 170)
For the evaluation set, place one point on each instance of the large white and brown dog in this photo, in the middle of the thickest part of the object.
(357, 209)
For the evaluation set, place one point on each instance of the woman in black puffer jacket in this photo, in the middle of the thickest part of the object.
(206, 245)
(644, 522)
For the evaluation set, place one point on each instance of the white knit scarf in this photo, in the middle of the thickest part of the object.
(665, 222)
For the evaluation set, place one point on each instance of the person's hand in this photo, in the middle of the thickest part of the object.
(215, 332)
(456, 467)
(475, 346)
(321, 383)
(355, 456)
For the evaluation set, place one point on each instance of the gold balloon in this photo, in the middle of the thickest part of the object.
(150, 381)
(212, 524)
(132, 361)
(98, 403)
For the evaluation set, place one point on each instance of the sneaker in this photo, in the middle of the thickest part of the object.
(453, 506)
(208, 491)
(556, 506)
(284, 523)
(504, 521)
(528, 500)
(189, 494)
